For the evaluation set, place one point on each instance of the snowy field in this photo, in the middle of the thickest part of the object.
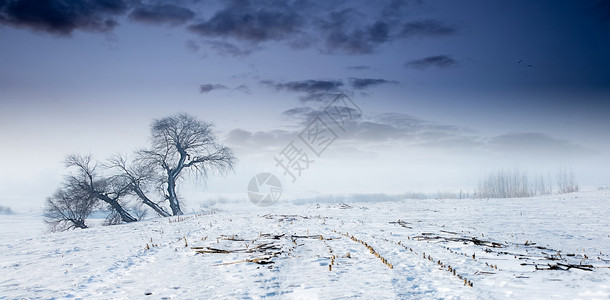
(545, 247)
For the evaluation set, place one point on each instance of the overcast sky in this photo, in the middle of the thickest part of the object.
(442, 91)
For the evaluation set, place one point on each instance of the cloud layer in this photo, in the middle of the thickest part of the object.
(162, 14)
(62, 17)
(428, 27)
(238, 28)
(364, 83)
(249, 24)
(324, 90)
(438, 61)
(208, 87)
(396, 132)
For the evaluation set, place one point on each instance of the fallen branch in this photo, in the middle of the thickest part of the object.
(260, 261)
(402, 223)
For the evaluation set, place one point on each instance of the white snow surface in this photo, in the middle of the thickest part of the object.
(284, 252)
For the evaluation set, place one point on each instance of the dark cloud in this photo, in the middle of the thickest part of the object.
(208, 87)
(340, 27)
(440, 61)
(426, 28)
(254, 25)
(310, 86)
(62, 17)
(364, 83)
(298, 111)
(344, 33)
(324, 90)
(379, 32)
(162, 14)
(239, 27)
(350, 31)
(315, 90)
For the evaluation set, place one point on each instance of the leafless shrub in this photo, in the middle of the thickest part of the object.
(5, 210)
(68, 208)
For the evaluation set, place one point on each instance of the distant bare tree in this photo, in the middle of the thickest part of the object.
(109, 190)
(182, 143)
(505, 184)
(68, 208)
(566, 182)
(140, 176)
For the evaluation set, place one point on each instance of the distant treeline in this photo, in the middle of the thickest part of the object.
(510, 183)
(513, 183)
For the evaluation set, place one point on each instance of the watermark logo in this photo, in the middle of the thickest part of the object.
(264, 189)
(294, 159)
(321, 132)
(318, 136)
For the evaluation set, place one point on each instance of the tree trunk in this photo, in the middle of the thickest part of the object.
(172, 197)
(125, 216)
(79, 223)
(158, 209)
(172, 174)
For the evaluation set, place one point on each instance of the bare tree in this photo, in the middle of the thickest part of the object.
(566, 182)
(140, 176)
(182, 143)
(68, 208)
(109, 190)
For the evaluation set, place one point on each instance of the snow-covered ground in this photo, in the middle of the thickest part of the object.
(545, 247)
